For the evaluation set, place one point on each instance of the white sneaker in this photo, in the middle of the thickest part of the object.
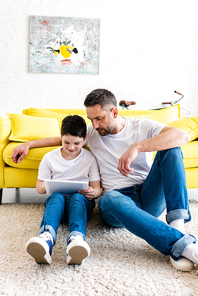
(183, 264)
(77, 250)
(40, 248)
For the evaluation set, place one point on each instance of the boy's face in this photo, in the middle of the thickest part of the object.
(71, 146)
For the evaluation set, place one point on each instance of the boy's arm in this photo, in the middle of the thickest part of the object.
(40, 187)
(93, 191)
(22, 150)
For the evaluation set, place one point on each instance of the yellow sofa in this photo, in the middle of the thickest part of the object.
(39, 123)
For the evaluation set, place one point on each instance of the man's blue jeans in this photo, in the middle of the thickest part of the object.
(59, 208)
(136, 208)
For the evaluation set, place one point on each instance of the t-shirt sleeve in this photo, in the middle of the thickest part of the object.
(94, 171)
(44, 171)
(151, 127)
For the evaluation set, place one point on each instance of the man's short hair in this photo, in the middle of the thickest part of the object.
(103, 97)
(74, 125)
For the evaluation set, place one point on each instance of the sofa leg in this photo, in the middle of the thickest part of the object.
(1, 195)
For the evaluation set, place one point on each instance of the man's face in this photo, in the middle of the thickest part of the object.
(102, 119)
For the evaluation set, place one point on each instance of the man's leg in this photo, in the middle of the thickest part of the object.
(79, 210)
(119, 210)
(40, 248)
(165, 186)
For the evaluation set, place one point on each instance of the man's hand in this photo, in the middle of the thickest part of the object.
(126, 159)
(88, 193)
(20, 152)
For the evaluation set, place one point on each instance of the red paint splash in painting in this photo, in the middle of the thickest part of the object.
(45, 23)
(66, 62)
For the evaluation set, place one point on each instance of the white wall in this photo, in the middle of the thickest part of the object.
(148, 49)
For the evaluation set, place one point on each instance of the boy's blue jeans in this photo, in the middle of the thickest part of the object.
(59, 208)
(136, 208)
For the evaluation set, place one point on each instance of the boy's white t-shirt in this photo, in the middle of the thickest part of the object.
(82, 168)
(108, 149)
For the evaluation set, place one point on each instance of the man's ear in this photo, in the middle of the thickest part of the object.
(114, 112)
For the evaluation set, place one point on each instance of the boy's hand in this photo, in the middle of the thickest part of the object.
(88, 193)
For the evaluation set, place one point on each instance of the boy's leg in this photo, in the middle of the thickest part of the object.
(40, 248)
(79, 210)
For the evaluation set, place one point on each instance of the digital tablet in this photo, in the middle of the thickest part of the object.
(64, 187)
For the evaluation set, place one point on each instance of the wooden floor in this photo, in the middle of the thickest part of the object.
(29, 195)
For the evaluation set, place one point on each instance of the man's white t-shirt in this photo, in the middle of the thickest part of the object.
(108, 149)
(82, 168)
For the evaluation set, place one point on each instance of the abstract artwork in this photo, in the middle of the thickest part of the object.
(64, 45)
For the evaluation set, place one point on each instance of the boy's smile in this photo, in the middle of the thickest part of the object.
(71, 146)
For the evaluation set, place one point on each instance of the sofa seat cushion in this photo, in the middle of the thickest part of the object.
(190, 153)
(32, 159)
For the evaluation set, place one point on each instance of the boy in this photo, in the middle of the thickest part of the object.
(69, 162)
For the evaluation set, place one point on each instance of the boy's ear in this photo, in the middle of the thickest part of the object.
(60, 135)
(85, 138)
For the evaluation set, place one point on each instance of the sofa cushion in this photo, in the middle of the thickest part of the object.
(190, 153)
(52, 114)
(32, 159)
(190, 125)
(164, 116)
(25, 128)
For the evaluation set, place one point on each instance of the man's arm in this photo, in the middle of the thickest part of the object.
(169, 137)
(22, 150)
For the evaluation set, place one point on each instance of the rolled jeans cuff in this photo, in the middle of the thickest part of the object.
(178, 214)
(50, 229)
(180, 246)
(74, 233)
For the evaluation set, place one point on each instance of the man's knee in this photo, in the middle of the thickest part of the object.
(172, 153)
(108, 196)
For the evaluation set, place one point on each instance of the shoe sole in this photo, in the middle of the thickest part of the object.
(38, 252)
(183, 264)
(77, 254)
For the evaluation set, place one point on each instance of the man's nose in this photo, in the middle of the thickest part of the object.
(95, 124)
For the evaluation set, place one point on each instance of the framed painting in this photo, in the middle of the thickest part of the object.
(64, 45)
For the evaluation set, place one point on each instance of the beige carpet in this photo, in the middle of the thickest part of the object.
(119, 264)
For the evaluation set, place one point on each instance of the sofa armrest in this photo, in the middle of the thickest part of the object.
(5, 129)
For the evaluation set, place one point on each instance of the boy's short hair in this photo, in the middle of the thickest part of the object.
(74, 125)
(103, 97)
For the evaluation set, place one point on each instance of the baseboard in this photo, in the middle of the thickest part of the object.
(193, 194)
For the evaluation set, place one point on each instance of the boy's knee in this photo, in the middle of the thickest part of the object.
(77, 197)
(55, 197)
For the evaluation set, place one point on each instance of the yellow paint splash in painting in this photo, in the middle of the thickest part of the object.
(65, 51)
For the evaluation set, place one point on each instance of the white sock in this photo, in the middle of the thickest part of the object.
(191, 252)
(178, 224)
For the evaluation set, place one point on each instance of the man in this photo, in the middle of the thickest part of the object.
(135, 191)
